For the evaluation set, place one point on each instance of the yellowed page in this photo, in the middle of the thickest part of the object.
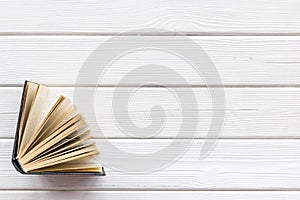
(30, 93)
(72, 126)
(69, 153)
(84, 136)
(71, 167)
(57, 122)
(62, 159)
(34, 116)
(68, 150)
(57, 114)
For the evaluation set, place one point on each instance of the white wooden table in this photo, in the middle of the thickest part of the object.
(255, 46)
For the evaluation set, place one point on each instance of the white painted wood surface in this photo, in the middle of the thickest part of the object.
(240, 60)
(238, 164)
(255, 46)
(250, 113)
(148, 195)
(213, 17)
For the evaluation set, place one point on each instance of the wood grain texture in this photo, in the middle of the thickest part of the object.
(240, 60)
(269, 164)
(249, 113)
(194, 17)
(255, 47)
(145, 195)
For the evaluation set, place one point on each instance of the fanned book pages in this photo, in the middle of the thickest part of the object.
(51, 138)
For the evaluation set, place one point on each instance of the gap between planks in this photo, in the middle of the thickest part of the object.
(125, 190)
(128, 195)
(144, 34)
(164, 86)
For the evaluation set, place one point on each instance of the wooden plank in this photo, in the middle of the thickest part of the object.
(194, 17)
(267, 164)
(240, 60)
(250, 112)
(147, 195)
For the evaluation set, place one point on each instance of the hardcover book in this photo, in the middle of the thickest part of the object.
(51, 138)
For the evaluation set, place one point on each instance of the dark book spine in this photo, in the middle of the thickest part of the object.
(15, 161)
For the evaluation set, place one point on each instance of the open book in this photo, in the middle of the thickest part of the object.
(51, 138)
